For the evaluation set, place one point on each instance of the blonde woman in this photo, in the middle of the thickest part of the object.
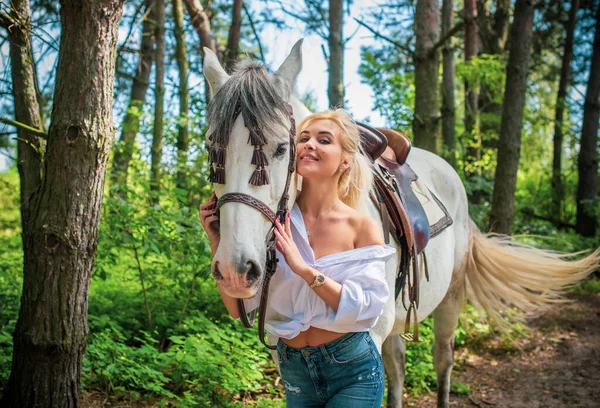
(329, 288)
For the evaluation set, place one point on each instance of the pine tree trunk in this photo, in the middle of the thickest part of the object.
(30, 147)
(159, 91)
(587, 188)
(335, 90)
(426, 126)
(61, 235)
(509, 150)
(233, 40)
(448, 105)
(473, 149)
(563, 85)
(182, 125)
(131, 122)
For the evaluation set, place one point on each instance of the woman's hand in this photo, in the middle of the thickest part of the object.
(210, 222)
(287, 247)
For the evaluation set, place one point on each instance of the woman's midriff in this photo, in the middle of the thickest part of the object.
(312, 337)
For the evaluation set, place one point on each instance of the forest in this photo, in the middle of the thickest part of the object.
(106, 295)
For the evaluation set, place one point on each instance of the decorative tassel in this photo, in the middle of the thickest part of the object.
(219, 156)
(259, 158)
(219, 175)
(260, 177)
(211, 176)
(212, 155)
(257, 138)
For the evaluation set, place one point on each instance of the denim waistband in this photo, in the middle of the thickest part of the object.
(286, 351)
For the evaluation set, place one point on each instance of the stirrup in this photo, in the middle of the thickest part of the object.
(407, 335)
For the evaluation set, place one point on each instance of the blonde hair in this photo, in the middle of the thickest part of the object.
(355, 182)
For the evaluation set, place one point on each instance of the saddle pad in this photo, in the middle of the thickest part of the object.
(436, 212)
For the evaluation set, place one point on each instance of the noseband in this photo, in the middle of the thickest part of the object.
(282, 210)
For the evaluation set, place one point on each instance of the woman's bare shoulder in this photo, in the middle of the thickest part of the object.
(367, 230)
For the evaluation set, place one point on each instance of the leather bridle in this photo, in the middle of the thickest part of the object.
(271, 259)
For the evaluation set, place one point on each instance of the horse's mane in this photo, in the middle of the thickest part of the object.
(254, 89)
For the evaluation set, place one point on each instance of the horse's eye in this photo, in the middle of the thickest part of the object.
(280, 151)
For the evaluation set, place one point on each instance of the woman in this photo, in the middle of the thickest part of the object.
(329, 288)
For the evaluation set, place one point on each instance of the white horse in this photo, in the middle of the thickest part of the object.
(462, 261)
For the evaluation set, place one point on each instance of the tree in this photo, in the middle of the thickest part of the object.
(335, 89)
(159, 95)
(587, 166)
(426, 61)
(448, 105)
(509, 150)
(131, 122)
(233, 40)
(565, 74)
(471, 108)
(182, 124)
(61, 232)
(31, 146)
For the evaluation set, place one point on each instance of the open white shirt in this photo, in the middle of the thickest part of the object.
(293, 306)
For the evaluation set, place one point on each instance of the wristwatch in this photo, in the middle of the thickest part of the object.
(317, 281)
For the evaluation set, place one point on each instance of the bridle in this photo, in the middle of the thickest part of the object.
(271, 259)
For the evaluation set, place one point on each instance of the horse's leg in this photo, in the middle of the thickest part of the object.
(394, 358)
(445, 320)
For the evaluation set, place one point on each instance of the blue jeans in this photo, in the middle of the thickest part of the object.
(344, 373)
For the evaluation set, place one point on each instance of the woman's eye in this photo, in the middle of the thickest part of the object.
(281, 149)
(302, 140)
(324, 141)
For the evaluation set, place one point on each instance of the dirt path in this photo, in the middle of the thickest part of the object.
(557, 366)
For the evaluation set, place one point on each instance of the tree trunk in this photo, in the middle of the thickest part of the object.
(60, 240)
(426, 120)
(30, 147)
(233, 41)
(201, 23)
(448, 106)
(182, 124)
(473, 149)
(131, 122)
(493, 33)
(565, 74)
(587, 188)
(335, 90)
(509, 149)
(159, 91)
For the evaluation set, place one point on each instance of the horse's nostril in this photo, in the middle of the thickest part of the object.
(216, 273)
(253, 273)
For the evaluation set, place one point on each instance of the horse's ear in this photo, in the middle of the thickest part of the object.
(213, 71)
(291, 67)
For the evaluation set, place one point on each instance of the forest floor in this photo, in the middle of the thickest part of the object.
(557, 365)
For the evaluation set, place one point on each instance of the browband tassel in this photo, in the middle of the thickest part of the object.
(219, 156)
(257, 137)
(211, 176)
(219, 176)
(260, 177)
(259, 158)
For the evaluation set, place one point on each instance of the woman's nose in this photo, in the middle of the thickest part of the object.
(309, 145)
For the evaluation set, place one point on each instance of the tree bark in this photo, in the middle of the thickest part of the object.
(159, 91)
(131, 123)
(471, 98)
(587, 188)
(509, 149)
(448, 104)
(201, 23)
(563, 85)
(426, 127)
(182, 124)
(335, 89)
(61, 235)
(233, 41)
(30, 147)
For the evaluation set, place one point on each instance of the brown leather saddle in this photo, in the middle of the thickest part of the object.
(402, 213)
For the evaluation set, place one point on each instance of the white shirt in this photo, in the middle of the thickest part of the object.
(293, 306)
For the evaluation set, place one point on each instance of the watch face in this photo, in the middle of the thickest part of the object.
(321, 279)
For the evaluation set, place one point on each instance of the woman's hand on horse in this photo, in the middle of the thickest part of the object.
(210, 221)
(287, 246)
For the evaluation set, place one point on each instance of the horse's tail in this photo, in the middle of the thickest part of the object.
(502, 272)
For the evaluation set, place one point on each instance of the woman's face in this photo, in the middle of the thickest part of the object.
(319, 150)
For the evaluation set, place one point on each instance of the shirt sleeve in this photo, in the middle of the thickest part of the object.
(364, 294)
